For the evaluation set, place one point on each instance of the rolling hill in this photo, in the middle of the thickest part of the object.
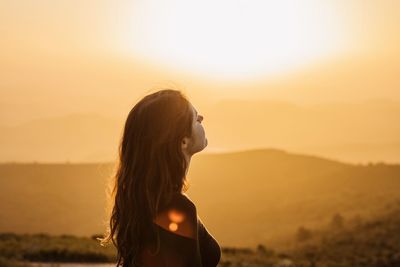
(244, 198)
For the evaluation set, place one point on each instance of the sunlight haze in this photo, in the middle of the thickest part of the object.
(237, 39)
(299, 161)
(290, 70)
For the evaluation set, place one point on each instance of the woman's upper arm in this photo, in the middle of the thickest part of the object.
(179, 221)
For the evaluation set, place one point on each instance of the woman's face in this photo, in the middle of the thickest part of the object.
(198, 140)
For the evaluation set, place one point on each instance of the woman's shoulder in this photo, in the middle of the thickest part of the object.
(182, 201)
(179, 217)
(185, 198)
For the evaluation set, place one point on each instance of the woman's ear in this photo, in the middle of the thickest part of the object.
(184, 143)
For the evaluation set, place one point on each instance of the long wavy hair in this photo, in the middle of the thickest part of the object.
(151, 168)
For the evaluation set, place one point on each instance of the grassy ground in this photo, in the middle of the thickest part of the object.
(46, 248)
(373, 242)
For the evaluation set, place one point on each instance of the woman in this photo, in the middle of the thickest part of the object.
(153, 223)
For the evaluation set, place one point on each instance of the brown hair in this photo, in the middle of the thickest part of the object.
(151, 168)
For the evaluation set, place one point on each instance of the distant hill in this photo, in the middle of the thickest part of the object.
(267, 194)
(82, 137)
(351, 132)
(244, 198)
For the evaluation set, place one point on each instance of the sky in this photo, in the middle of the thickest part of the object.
(60, 57)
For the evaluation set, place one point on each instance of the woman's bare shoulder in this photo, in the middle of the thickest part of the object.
(179, 217)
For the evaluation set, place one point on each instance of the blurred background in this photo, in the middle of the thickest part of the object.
(301, 106)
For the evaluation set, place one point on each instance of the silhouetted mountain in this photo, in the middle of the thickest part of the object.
(76, 137)
(353, 132)
(265, 194)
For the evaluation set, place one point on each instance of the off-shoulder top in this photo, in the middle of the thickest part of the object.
(177, 250)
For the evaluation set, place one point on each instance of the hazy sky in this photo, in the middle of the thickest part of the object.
(59, 57)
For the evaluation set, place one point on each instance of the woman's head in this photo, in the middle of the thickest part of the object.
(163, 126)
(161, 133)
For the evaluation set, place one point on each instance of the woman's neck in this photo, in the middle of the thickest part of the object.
(187, 159)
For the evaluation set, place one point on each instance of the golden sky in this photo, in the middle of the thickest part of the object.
(78, 56)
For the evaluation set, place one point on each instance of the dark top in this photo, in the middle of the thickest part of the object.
(185, 243)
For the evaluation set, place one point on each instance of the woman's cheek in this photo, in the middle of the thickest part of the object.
(204, 138)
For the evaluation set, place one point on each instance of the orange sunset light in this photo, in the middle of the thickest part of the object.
(237, 39)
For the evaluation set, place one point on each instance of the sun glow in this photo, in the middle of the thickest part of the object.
(231, 39)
